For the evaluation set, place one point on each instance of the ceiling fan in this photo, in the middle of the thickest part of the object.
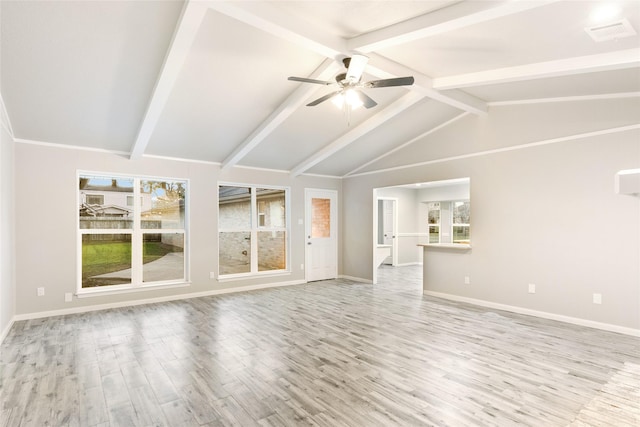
(350, 84)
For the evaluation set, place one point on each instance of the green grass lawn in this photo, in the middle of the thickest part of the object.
(107, 257)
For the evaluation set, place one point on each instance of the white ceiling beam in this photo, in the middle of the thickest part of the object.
(276, 22)
(326, 70)
(188, 25)
(362, 129)
(569, 66)
(382, 67)
(447, 19)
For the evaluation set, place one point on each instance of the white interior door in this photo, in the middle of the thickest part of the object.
(321, 254)
(389, 224)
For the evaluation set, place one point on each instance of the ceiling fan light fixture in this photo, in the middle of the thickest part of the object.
(347, 98)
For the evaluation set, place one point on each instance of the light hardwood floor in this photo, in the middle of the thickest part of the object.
(333, 353)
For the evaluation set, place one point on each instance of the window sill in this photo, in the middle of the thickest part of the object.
(238, 277)
(126, 289)
(447, 245)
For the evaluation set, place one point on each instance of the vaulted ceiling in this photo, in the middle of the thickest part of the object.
(207, 80)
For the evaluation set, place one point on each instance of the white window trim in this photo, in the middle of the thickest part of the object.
(438, 224)
(136, 284)
(255, 228)
(454, 224)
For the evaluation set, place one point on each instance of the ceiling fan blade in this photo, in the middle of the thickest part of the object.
(305, 80)
(365, 99)
(323, 98)
(356, 67)
(400, 81)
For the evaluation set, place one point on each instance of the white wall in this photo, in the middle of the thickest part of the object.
(7, 283)
(545, 214)
(45, 196)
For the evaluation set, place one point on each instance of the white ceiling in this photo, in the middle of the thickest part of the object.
(207, 80)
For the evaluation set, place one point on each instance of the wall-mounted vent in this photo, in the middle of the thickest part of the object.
(612, 31)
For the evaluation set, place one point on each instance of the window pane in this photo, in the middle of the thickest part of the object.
(271, 208)
(162, 257)
(460, 234)
(461, 212)
(271, 250)
(434, 213)
(162, 204)
(103, 202)
(434, 234)
(235, 252)
(234, 208)
(106, 259)
(320, 217)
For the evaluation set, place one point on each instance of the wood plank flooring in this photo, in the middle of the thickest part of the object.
(333, 353)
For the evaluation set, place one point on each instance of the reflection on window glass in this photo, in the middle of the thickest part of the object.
(235, 252)
(162, 204)
(106, 259)
(104, 202)
(271, 250)
(320, 218)
(163, 257)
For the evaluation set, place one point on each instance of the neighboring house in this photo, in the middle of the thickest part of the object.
(114, 201)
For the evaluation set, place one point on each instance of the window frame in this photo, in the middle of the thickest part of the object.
(255, 228)
(438, 224)
(455, 224)
(137, 239)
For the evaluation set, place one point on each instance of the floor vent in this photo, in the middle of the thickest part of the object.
(612, 31)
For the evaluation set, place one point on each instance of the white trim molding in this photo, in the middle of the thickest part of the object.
(98, 307)
(6, 330)
(505, 149)
(4, 118)
(536, 313)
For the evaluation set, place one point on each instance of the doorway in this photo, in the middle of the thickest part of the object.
(321, 234)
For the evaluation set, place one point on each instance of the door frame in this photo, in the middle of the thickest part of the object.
(308, 195)
(394, 245)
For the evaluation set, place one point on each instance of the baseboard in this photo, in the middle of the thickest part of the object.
(77, 310)
(542, 314)
(406, 264)
(355, 279)
(6, 330)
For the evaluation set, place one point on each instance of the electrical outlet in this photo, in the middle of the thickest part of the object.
(301, 266)
(212, 275)
(532, 288)
(597, 298)
(40, 292)
(467, 280)
(68, 297)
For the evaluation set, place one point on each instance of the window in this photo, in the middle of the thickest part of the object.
(433, 220)
(461, 217)
(123, 246)
(252, 230)
(94, 199)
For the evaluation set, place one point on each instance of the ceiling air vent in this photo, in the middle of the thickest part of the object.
(612, 31)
